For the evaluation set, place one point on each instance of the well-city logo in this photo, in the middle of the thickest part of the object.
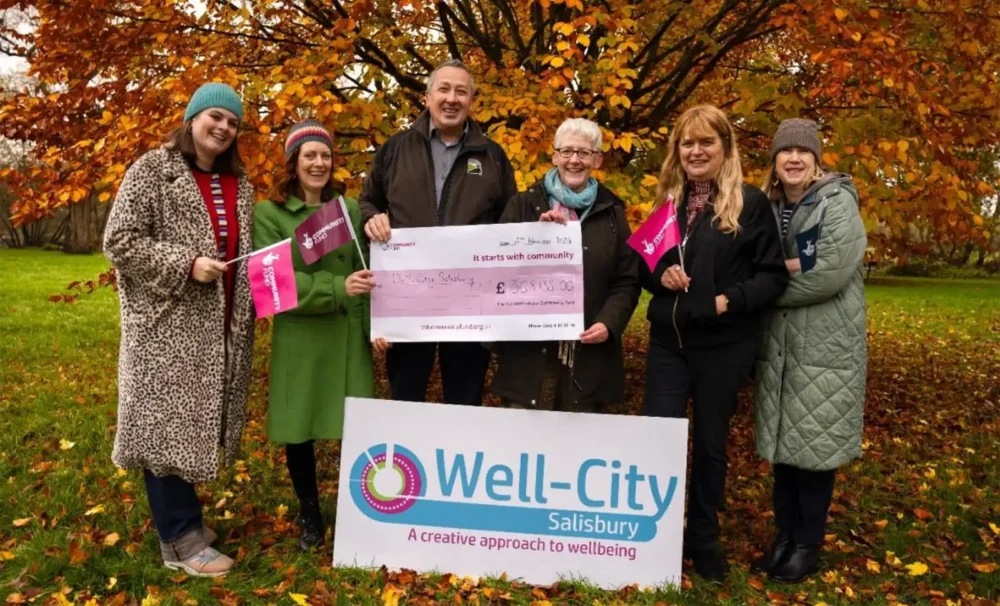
(388, 483)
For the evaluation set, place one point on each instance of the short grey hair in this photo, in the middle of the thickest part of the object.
(457, 63)
(583, 127)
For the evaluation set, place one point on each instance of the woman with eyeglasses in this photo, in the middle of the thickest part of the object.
(585, 375)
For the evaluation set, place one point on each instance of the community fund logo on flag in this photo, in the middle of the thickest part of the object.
(807, 247)
(327, 229)
(272, 279)
(657, 235)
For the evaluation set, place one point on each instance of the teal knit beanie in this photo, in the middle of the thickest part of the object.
(214, 94)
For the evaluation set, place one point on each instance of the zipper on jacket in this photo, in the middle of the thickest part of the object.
(673, 318)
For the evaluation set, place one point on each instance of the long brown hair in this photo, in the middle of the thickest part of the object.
(728, 203)
(287, 184)
(227, 163)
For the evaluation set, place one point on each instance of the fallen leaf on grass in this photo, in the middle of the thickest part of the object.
(21, 522)
(299, 598)
(985, 567)
(77, 554)
(881, 524)
(94, 510)
(16, 598)
(917, 568)
(756, 583)
(922, 514)
(391, 595)
(111, 539)
(65, 444)
(873, 567)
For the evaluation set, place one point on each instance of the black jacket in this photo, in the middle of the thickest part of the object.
(611, 292)
(748, 267)
(401, 181)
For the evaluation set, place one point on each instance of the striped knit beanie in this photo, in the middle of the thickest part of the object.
(307, 130)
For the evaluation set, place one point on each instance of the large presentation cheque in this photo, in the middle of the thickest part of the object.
(539, 495)
(510, 282)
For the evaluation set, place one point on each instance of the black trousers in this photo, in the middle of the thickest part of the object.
(712, 378)
(801, 502)
(174, 505)
(301, 460)
(463, 371)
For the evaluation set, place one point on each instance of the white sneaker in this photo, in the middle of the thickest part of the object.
(206, 563)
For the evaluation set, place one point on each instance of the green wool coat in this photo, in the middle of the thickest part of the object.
(321, 352)
(812, 360)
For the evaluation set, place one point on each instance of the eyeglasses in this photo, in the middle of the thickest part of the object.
(584, 154)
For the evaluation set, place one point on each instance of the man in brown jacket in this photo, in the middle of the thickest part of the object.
(443, 170)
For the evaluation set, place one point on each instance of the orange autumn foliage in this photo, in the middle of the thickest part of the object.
(906, 93)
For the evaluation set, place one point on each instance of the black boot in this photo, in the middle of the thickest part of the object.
(770, 560)
(311, 521)
(710, 564)
(801, 561)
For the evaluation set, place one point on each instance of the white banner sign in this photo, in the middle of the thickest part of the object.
(510, 282)
(540, 495)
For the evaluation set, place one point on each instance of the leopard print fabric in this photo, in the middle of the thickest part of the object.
(182, 382)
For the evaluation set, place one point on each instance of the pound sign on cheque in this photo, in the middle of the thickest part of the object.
(500, 288)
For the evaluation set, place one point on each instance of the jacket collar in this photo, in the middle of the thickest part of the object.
(474, 137)
(175, 166)
(294, 204)
(830, 184)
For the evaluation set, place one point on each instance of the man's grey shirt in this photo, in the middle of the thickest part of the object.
(444, 156)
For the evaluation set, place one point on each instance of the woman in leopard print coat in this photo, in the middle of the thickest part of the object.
(186, 319)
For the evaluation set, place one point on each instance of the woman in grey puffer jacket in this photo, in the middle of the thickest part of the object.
(812, 361)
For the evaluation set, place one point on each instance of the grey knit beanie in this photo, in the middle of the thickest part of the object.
(797, 132)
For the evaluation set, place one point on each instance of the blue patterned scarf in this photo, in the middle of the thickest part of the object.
(557, 192)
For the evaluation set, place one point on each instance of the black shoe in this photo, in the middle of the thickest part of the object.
(710, 564)
(779, 549)
(801, 561)
(311, 521)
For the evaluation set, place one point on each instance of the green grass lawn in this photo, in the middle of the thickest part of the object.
(916, 521)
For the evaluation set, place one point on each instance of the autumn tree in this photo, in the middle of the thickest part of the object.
(901, 93)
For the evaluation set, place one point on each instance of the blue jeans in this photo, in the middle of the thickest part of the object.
(174, 505)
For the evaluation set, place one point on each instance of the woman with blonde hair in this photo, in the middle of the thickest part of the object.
(705, 314)
(811, 368)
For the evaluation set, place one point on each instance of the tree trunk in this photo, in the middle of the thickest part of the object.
(966, 254)
(82, 236)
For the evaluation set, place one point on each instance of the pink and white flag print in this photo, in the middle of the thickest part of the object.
(272, 279)
(657, 235)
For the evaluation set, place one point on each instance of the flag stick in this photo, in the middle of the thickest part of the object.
(354, 236)
(680, 247)
(250, 254)
(239, 258)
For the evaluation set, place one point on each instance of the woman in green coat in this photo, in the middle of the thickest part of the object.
(813, 359)
(320, 352)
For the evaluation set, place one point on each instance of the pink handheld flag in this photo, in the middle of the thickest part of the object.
(327, 229)
(272, 279)
(657, 235)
